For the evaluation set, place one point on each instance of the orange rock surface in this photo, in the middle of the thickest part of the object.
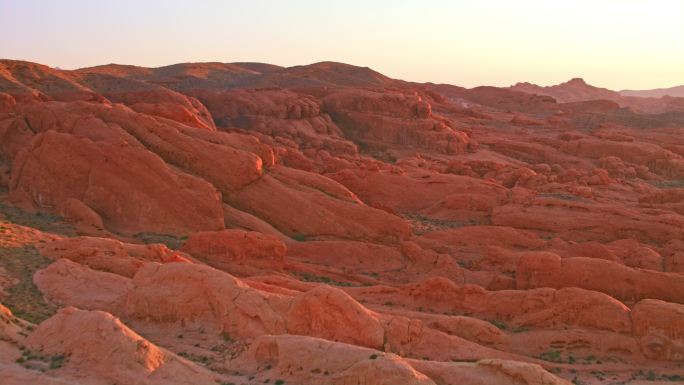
(242, 223)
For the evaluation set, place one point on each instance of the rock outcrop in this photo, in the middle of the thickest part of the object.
(241, 223)
(120, 356)
(132, 189)
(629, 284)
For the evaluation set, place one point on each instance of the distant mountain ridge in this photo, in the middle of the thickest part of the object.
(574, 90)
(227, 75)
(676, 91)
(577, 90)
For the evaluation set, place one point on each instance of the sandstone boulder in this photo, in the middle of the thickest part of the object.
(132, 189)
(301, 211)
(119, 356)
(109, 255)
(537, 307)
(226, 249)
(622, 282)
(330, 313)
(393, 118)
(308, 360)
(70, 283)
(660, 327)
(488, 372)
(197, 297)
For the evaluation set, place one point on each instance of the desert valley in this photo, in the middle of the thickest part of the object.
(245, 223)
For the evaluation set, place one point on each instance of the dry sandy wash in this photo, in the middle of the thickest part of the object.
(247, 224)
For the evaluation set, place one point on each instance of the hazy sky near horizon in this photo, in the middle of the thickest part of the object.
(610, 43)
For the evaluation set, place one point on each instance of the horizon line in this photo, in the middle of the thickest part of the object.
(344, 63)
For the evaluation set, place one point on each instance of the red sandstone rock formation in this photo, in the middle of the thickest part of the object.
(242, 223)
(625, 283)
(134, 189)
(120, 355)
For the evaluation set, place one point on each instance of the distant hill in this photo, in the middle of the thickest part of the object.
(220, 76)
(577, 90)
(677, 91)
(574, 90)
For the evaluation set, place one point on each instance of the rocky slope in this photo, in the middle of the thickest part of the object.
(246, 223)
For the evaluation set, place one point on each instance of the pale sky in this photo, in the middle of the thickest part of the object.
(610, 43)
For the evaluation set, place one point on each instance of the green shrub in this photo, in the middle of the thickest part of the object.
(299, 237)
(551, 356)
